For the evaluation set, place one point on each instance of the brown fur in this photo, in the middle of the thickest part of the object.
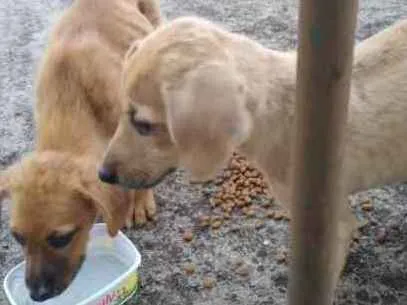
(55, 190)
(208, 92)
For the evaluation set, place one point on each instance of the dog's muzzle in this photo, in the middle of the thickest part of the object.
(142, 183)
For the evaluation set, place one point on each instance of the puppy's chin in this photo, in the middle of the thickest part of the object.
(199, 178)
(144, 184)
(200, 181)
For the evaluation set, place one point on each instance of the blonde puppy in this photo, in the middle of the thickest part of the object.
(193, 93)
(55, 191)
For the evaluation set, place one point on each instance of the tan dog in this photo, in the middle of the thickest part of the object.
(193, 93)
(55, 191)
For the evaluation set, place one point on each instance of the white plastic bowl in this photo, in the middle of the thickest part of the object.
(108, 275)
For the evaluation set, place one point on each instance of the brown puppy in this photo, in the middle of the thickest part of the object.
(55, 191)
(193, 93)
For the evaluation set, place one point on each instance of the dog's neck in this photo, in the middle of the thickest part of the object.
(270, 89)
(371, 144)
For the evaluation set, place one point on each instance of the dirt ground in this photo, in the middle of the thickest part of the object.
(244, 257)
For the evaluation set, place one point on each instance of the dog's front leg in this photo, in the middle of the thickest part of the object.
(347, 226)
(142, 208)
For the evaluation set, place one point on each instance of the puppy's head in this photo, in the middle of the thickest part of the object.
(53, 209)
(184, 105)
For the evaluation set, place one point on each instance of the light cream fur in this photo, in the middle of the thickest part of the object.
(209, 92)
(76, 112)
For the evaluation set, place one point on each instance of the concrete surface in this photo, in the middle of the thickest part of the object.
(376, 272)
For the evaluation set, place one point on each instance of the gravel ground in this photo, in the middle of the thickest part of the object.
(244, 258)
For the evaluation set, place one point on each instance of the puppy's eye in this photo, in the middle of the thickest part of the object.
(18, 238)
(61, 241)
(144, 128)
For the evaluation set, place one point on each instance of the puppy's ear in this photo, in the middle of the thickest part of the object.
(151, 10)
(207, 118)
(113, 206)
(112, 203)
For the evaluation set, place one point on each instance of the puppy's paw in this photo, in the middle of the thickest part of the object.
(142, 209)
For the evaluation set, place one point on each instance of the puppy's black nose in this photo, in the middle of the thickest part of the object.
(108, 175)
(41, 293)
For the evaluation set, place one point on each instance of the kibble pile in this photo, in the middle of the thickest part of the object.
(240, 190)
(239, 184)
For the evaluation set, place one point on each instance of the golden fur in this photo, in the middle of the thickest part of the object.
(55, 190)
(204, 92)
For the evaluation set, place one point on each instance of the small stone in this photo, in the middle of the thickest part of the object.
(237, 262)
(367, 206)
(282, 257)
(188, 236)
(240, 203)
(193, 284)
(259, 224)
(262, 253)
(362, 295)
(278, 215)
(226, 216)
(381, 235)
(204, 221)
(218, 181)
(249, 212)
(267, 204)
(270, 214)
(208, 282)
(216, 224)
(189, 268)
(356, 236)
(246, 199)
(243, 270)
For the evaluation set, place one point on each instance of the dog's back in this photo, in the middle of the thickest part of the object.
(78, 85)
(378, 113)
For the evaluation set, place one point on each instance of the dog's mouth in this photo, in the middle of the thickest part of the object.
(143, 184)
(59, 289)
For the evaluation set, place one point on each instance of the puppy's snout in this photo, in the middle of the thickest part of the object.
(108, 175)
(41, 290)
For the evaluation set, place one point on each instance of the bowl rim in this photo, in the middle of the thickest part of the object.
(100, 292)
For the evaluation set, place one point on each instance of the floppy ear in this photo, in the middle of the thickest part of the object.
(111, 202)
(151, 10)
(207, 118)
(113, 206)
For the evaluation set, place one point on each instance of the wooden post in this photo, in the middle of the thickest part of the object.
(325, 55)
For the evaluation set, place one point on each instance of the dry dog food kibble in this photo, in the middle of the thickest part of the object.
(240, 189)
(208, 282)
(189, 268)
(239, 184)
(188, 236)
